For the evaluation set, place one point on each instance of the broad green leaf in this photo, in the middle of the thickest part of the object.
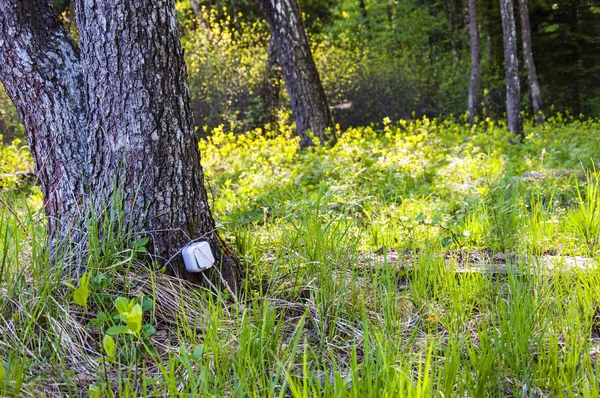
(149, 330)
(134, 319)
(117, 330)
(101, 316)
(198, 351)
(141, 243)
(81, 294)
(97, 281)
(1, 373)
(146, 304)
(109, 346)
(122, 305)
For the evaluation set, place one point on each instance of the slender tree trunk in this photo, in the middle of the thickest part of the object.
(40, 70)
(309, 103)
(475, 57)
(511, 61)
(235, 18)
(141, 127)
(534, 87)
(574, 30)
(272, 82)
(197, 10)
(5, 132)
(196, 7)
(450, 11)
(363, 10)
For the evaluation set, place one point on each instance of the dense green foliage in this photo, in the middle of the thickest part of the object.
(415, 257)
(15, 161)
(479, 187)
(393, 59)
(359, 280)
(389, 59)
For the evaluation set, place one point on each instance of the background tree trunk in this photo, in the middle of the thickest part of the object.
(513, 88)
(534, 87)
(308, 100)
(141, 127)
(363, 10)
(272, 84)
(574, 57)
(40, 70)
(474, 79)
(196, 8)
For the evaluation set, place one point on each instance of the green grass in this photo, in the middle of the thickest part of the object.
(353, 286)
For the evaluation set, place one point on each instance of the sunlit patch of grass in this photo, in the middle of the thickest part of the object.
(359, 281)
(585, 217)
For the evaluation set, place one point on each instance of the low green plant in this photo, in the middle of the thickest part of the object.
(585, 217)
(424, 258)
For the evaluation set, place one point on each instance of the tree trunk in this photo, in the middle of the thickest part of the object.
(309, 103)
(141, 127)
(40, 70)
(534, 87)
(513, 88)
(451, 20)
(196, 8)
(272, 83)
(235, 19)
(574, 30)
(363, 11)
(112, 128)
(474, 79)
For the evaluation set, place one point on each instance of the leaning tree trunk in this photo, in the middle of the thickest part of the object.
(513, 88)
(309, 103)
(40, 70)
(141, 128)
(534, 87)
(474, 79)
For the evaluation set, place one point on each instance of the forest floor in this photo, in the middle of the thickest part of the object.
(418, 259)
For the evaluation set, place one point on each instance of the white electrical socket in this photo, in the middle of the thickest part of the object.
(197, 257)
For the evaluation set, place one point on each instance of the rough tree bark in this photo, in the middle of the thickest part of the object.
(474, 79)
(513, 88)
(114, 122)
(40, 70)
(534, 86)
(141, 127)
(309, 103)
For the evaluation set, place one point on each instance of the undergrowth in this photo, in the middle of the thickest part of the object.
(420, 259)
